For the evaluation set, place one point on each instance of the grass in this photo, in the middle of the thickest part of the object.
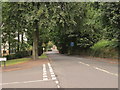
(21, 60)
(43, 56)
(15, 61)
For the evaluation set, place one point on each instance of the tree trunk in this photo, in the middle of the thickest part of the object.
(22, 38)
(9, 47)
(35, 41)
(9, 42)
(35, 35)
(18, 46)
(40, 49)
(22, 47)
(0, 43)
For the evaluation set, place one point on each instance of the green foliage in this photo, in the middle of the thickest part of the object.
(110, 19)
(49, 45)
(102, 44)
(43, 56)
(105, 48)
(82, 23)
(20, 54)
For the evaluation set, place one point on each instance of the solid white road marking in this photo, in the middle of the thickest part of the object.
(24, 82)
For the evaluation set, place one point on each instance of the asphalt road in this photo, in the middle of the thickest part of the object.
(65, 72)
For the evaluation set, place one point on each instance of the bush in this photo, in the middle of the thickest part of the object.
(19, 54)
(105, 48)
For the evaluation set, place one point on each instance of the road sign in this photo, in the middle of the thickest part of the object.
(3, 59)
(71, 44)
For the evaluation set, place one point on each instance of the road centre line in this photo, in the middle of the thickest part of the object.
(84, 64)
(111, 62)
(24, 82)
(103, 70)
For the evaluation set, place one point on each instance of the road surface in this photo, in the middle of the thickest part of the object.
(65, 72)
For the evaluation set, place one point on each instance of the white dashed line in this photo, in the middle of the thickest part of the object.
(58, 86)
(52, 73)
(44, 76)
(44, 72)
(53, 76)
(84, 64)
(105, 71)
(100, 69)
(56, 82)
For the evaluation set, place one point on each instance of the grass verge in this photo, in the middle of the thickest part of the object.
(16, 61)
(43, 56)
(21, 60)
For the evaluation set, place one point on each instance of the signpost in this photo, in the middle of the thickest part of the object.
(4, 60)
(71, 44)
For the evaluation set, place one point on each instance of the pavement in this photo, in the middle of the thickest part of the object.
(63, 71)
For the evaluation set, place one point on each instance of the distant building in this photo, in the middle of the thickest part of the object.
(4, 49)
(5, 46)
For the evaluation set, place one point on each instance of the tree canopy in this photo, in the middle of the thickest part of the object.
(83, 23)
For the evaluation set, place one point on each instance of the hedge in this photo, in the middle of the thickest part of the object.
(19, 54)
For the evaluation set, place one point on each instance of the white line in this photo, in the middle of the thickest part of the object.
(45, 77)
(53, 76)
(24, 82)
(45, 71)
(49, 65)
(100, 69)
(56, 82)
(84, 64)
(58, 86)
(105, 71)
(51, 70)
(52, 73)
(43, 66)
